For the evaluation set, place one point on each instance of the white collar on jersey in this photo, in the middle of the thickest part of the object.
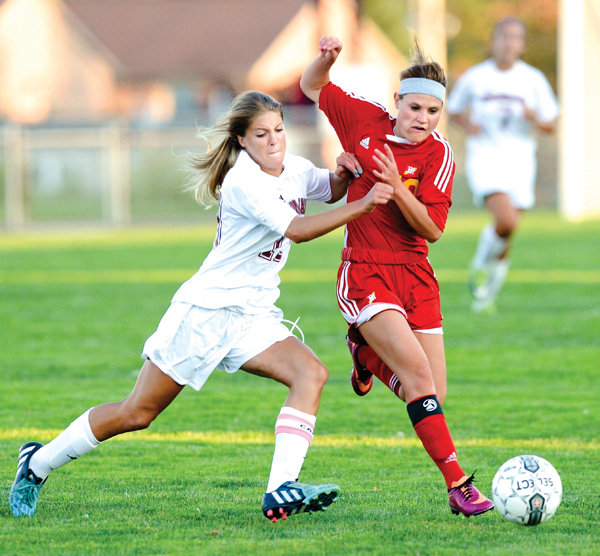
(397, 139)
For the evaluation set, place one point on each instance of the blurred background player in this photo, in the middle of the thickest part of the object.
(224, 317)
(500, 102)
(387, 290)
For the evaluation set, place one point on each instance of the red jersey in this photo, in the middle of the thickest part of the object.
(426, 168)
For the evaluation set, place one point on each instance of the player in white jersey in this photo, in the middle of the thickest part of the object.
(224, 317)
(500, 103)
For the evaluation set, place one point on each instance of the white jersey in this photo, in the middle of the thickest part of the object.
(497, 101)
(501, 158)
(250, 248)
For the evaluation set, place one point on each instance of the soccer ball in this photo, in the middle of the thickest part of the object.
(527, 490)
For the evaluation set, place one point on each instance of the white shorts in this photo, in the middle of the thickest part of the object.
(502, 170)
(190, 342)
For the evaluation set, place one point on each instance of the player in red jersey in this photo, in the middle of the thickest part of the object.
(387, 290)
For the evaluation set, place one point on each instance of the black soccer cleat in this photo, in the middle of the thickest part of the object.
(294, 498)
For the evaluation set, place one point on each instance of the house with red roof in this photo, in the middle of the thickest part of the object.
(155, 61)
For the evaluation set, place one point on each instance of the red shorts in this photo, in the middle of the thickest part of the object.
(373, 281)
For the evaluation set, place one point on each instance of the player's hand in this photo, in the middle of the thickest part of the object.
(380, 194)
(529, 115)
(330, 48)
(473, 129)
(388, 169)
(348, 166)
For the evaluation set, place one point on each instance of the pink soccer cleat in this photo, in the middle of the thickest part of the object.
(467, 500)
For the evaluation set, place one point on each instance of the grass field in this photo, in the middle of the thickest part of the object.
(77, 307)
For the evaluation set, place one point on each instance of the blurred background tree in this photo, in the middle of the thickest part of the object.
(469, 25)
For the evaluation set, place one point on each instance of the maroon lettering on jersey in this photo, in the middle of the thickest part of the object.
(275, 254)
(299, 205)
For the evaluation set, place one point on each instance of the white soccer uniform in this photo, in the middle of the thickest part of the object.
(225, 314)
(502, 158)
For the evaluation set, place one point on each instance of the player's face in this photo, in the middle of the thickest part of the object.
(265, 142)
(418, 116)
(508, 43)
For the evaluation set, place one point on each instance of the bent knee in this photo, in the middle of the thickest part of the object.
(506, 229)
(312, 375)
(136, 418)
(319, 374)
(506, 225)
(420, 379)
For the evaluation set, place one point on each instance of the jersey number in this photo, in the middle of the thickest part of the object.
(274, 254)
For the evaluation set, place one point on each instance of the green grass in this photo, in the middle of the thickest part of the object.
(77, 307)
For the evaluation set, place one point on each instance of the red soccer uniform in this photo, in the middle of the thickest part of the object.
(427, 169)
(385, 258)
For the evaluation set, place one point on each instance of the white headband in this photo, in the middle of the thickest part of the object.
(422, 86)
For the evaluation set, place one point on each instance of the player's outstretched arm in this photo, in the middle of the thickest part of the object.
(305, 228)
(316, 74)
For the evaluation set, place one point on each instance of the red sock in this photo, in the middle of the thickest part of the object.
(431, 428)
(372, 362)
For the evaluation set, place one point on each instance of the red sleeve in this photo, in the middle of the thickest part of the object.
(439, 213)
(435, 191)
(347, 113)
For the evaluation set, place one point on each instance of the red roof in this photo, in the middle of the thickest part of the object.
(182, 39)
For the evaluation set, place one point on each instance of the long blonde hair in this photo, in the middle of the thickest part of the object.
(222, 143)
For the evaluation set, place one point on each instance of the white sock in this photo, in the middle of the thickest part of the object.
(75, 441)
(293, 435)
(489, 247)
(498, 272)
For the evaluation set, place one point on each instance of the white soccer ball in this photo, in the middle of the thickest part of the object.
(527, 490)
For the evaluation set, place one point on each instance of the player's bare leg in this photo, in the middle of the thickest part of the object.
(490, 265)
(392, 339)
(506, 216)
(295, 365)
(433, 346)
(152, 393)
